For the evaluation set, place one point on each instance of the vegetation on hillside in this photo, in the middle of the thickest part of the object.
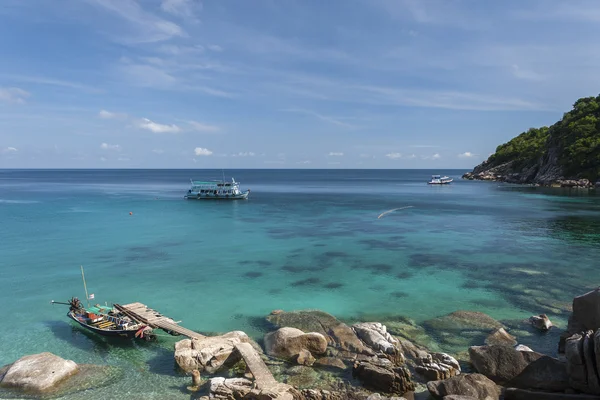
(576, 137)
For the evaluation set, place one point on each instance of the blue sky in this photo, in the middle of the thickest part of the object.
(285, 83)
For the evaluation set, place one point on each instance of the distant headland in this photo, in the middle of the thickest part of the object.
(566, 154)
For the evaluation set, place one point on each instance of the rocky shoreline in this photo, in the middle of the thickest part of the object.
(315, 356)
(505, 173)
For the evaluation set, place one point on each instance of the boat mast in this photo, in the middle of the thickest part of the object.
(87, 299)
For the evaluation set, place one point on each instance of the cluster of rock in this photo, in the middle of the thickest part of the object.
(504, 173)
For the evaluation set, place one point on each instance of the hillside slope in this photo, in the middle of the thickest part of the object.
(564, 154)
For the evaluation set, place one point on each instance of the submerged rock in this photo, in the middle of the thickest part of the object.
(541, 322)
(338, 334)
(461, 329)
(289, 342)
(210, 353)
(474, 385)
(38, 373)
(501, 337)
(305, 358)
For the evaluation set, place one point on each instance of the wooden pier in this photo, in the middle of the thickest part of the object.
(263, 378)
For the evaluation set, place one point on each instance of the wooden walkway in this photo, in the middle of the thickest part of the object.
(263, 378)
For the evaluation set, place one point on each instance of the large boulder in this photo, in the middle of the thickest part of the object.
(383, 378)
(338, 334)
(521, 369)
(500, 336)
(38, 373)
(437, 366)
(375, 335)
(582, 352)
(473, 385)
(586, 315)
(210, 353)
(289, 342)
(233, 388)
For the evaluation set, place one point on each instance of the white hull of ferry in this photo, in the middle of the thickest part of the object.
(439, 180)
(209, 196)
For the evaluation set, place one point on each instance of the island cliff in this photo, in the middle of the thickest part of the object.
(564, 154)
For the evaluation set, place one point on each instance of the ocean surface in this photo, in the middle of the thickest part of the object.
(305, 239)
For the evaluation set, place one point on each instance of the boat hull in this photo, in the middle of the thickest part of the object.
(128, 334)
(439, 183)
(193, 196)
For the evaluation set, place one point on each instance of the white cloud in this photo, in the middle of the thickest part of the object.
(123, 159)
(111, 115)
(332, 120)
(106, 146)
(102, 159)
(158, 151)
(200, 127)
(151, 126)
(336, 154)
(13, 95)
(436, 156)
(467, 154)
(214, 47)
(303, 162)
(244, 154)
(9, 150)
(181, 8)
(393, 155)
(274, 162)
(200, 151)
(526, 74)
(411, 156)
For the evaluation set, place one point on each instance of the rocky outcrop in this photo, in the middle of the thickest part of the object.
(585, 316)
(375, 335)
(38, 373)
(541, 322)
(583, 358)
(289, 342)
(232, 388)
(501, 337)
(473, 385)
(437, 366)
(338, 334)
(521, 369)
(383, 377)
(210, 353)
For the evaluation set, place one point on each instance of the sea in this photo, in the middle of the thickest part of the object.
(358, 244)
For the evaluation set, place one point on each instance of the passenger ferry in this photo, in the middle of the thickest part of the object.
(216, 190)
(439, 180)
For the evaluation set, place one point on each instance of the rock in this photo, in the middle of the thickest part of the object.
(522, 347)
(459, 397)
(582, 352)
(210, 353)
(586, 313)
(302, 377)
(38, 373)
(288, 342)
(276, 312)
(522, 369)
(338, 334)
(437, 366)
(385, 379)
(330, 362)
(376, 337)
(521, 394)
(501, 337)
(462, 329)
(305, 358)
(541, 322)
(474, 385)
(500, 363)
(233, 388)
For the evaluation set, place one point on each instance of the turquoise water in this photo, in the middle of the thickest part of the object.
(304, 239)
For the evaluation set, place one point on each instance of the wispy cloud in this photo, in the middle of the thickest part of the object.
(336, 154)
(114, 147)
(200, 127)
(144, 27)
(158, 151)
(201, 151)
(244, 154)
(111, 115)
(155, 127)
(332, 120)
(423, 146)
(435, 156)
(13, 95)
(181, 8)
(394, 155)
(215, 47)
(303, 162)
(9, 150)
(39, 80)
(467, 154)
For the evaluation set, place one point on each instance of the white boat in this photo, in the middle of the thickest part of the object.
(216, 190)
(439, 180)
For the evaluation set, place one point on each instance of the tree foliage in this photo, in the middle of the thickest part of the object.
(576, 137)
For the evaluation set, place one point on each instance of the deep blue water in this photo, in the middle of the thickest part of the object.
(304, 239)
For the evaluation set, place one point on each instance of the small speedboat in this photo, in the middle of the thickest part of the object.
(439, 180)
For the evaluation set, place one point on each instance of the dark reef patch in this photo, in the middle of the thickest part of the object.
(306, 282)
(399, 295)
(145, 253)
(296, 269)
(333, 285)
(252, 274)
(404, 275)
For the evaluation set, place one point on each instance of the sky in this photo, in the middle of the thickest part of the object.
(285, 83)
